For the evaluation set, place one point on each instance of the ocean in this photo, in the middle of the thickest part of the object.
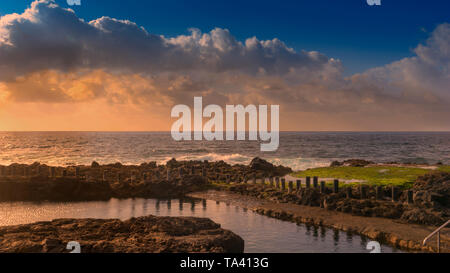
(298, 150)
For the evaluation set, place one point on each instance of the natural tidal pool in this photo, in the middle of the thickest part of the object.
(260, 233)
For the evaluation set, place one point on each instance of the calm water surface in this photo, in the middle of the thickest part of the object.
(261, 234)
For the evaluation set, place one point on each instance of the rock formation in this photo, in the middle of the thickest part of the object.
(148, 234)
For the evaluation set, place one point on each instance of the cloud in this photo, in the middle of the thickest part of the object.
(49, 55)
(47, 36)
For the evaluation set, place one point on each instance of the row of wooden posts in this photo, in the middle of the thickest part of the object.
(283, 185)
(52, 172)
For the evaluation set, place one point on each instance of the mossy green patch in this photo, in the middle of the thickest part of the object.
(379, 175)
(444, 168)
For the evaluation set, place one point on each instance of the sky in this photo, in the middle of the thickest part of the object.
(122, 65)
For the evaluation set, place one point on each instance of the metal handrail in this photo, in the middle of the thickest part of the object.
(438, 231)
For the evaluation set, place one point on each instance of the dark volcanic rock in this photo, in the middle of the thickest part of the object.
(351, 163)
(259, 164)
(148, 234)
(335, 164)
(160, 189)
(423, 216)
(431, 200)
(433, 190)
(60, 189)
(268, 168)
(95, 164)
(430, 207)
(37, 182)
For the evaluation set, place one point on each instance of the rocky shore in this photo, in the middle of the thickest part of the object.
(148, 234)
(427, 203)
(39, 182)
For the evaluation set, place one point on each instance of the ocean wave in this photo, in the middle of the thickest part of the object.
(300, 164)
(297, 164)
(229, 158)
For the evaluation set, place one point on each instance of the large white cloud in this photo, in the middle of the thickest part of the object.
(47, 36)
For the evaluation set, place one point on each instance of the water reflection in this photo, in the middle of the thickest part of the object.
(261, 234)
(336, 237)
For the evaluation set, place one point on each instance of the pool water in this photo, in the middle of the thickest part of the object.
(260, 233)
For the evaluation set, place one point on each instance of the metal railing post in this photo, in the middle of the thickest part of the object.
(438, 233)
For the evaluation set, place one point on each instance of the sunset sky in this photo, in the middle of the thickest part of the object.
(122, 65)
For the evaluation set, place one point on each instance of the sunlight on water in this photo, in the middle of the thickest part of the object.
(261, 234)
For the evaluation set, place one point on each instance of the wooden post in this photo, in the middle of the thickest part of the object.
(299, 184)
(336, 186)
(308, 182)
(322, 187)
(180, 205)
(291, 186)
(363, 191)
(132, 177)
(379, 193)
(271, 181)
(393, 193)
(277, 182)
(410, 196)
(283, 184)
(348, 192)
(316, 182)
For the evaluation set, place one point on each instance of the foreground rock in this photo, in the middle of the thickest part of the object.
(148, 234)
